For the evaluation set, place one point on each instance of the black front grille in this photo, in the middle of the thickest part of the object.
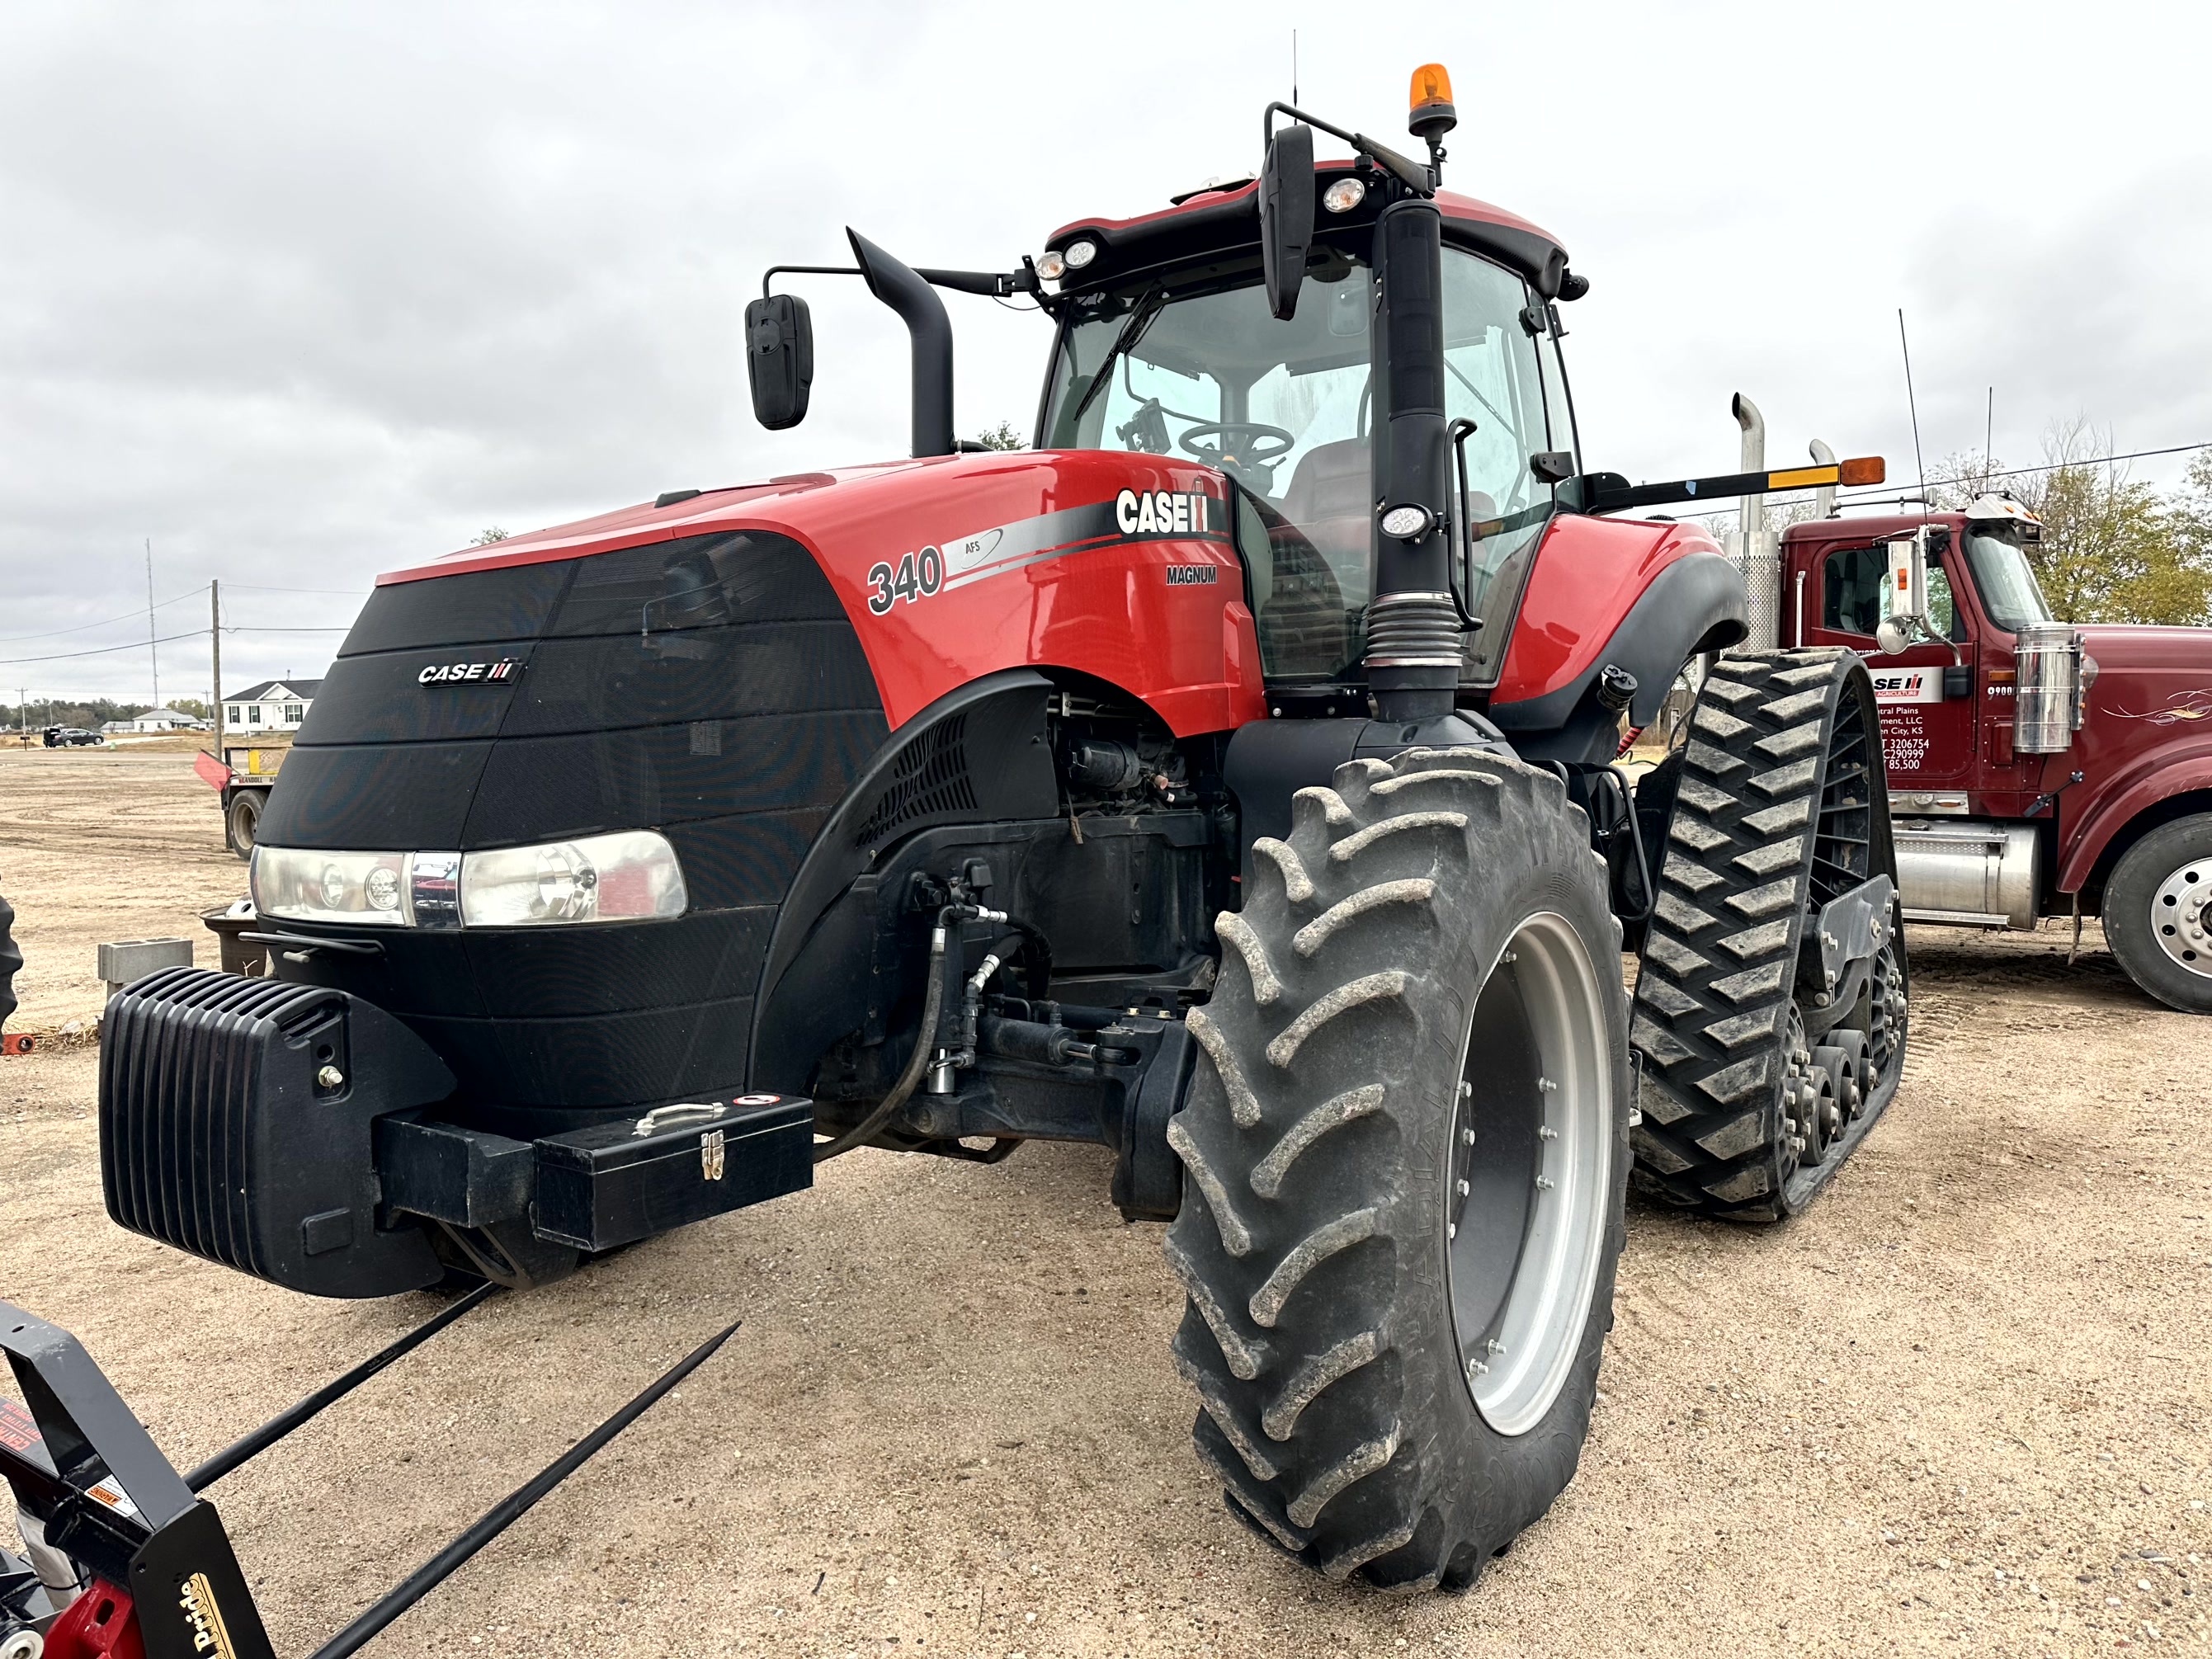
(181, 1054)
(709, 687)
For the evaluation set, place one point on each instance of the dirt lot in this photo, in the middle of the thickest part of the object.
(1967, 1399)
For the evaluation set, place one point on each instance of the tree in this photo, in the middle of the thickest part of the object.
(1001, 436)
(486, 537)
(2113, 549)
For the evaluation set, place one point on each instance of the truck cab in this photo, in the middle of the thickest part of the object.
(1993, 832)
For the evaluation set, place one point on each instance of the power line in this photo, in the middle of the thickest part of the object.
(1878, 491)
(257, 587)
(83, 628)
(107, 650)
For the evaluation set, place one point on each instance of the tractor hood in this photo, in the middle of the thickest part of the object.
(952, 567)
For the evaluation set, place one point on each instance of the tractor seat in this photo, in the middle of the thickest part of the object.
(1327, 499)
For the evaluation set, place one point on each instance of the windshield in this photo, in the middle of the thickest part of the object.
(1193, 363)
(2007, 585)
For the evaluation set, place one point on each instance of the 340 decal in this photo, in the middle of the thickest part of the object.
(918, 576)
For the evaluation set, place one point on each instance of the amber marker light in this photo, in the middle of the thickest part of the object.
(1865, 469)
(1430, 114)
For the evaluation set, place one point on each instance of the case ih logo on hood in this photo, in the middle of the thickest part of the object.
(455, 673)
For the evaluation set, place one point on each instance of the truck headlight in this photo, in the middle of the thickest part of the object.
(351, 887)
(632, 876)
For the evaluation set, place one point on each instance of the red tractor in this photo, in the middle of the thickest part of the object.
(1227, 779)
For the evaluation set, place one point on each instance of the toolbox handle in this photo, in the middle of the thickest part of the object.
(654, 1120)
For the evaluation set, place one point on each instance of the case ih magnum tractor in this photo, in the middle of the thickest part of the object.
(1225, 780)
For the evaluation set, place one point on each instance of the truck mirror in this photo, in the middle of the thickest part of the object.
(1286, 215)
(779, 359)
(1890, 636)
(1908, 579)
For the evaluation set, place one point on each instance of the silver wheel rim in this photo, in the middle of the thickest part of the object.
(2181, 917)
(1516, 1360)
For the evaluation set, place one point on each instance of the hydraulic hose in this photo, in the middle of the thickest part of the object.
(932, 1004)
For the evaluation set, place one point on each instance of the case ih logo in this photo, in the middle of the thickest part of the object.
(1908, 684)
(454, 673)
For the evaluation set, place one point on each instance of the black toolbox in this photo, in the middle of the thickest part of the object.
(615, 1184)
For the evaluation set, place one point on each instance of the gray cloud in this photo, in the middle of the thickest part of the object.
(303, 294)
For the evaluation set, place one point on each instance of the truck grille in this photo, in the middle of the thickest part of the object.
(182, 1055)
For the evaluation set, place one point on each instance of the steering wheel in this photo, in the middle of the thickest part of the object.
(1238, 445)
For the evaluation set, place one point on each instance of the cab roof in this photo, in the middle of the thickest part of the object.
(1213, 221)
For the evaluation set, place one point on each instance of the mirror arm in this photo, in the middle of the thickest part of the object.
(806, 271)
(1407, 172)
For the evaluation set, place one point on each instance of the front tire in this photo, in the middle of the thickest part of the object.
(2158, 913)
(1407, 1150)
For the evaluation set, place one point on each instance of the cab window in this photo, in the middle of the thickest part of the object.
(1855, 592)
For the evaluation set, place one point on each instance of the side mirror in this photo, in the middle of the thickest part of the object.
(1908, 579)
(1286, 215)
(779, 359)
(1890, 636)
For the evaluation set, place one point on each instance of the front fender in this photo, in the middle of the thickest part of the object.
(2159, 776)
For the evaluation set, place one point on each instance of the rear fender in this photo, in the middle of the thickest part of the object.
(1693, 604)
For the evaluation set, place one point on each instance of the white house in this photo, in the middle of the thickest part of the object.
(271, 705)
(158, 720)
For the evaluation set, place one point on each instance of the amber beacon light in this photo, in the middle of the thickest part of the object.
(1430, 103)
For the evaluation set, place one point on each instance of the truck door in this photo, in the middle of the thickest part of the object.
(1928, 739)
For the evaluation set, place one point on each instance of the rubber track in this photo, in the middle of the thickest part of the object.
(1713, 994)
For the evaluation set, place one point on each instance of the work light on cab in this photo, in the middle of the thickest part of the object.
(1343, 195)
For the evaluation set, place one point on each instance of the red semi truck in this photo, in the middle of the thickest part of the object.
(2036, 768)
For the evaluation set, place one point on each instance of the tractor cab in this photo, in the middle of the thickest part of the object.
(1167, 345)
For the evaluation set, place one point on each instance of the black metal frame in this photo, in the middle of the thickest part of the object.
(165, 1547)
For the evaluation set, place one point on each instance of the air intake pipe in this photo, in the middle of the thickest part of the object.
(898, 286)
(1414, 648)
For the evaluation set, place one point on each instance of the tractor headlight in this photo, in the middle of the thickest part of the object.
(352, 887)
(630, 876)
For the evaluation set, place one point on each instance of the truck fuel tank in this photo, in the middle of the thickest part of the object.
(1966, 873)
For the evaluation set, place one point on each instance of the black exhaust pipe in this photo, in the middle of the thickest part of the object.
(898, 286)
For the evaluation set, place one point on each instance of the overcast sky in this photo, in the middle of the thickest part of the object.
(303, 292)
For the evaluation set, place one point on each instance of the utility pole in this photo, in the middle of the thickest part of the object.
(23, 711)
(214, 644)
(153, 655)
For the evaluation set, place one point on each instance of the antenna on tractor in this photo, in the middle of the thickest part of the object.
(1294, 66)
(1914, 409)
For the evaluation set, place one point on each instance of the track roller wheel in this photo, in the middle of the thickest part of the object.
(1406, 1148)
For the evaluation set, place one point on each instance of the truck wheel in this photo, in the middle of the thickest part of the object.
(242, 819)
(1407, 1152)
(11, 961)
(1751, 1096)
(2158, 913)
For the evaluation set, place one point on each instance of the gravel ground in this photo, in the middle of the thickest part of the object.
(1964, 1400)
